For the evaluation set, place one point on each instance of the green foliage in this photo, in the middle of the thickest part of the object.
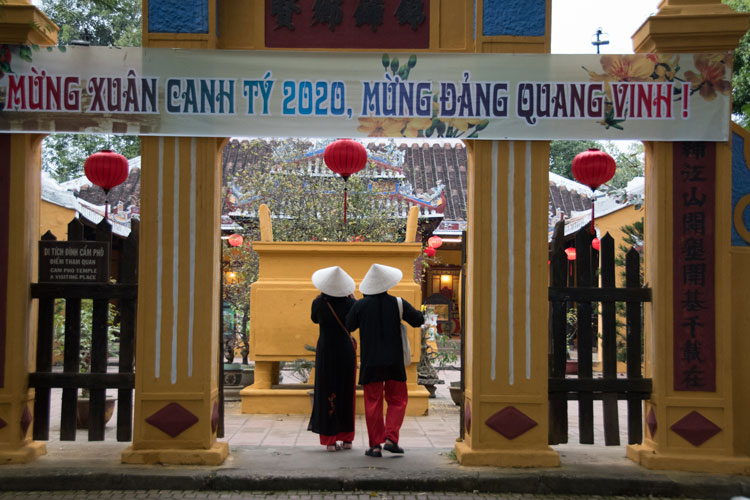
(741, 70)
(309, 206)
(633, 239)
(99, 22)
(63, 155)
(561, 154)
(630, 160)
(630, 163)
(87, 313)
(446, 353)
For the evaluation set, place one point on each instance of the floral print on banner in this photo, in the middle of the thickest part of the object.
(711, 79)
(417, 127)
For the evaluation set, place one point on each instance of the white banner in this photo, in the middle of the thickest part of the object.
(175, 92)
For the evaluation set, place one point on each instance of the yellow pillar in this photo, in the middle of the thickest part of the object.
(20, 191)
(176, 385)
(176, 403)
(506, 307)
(20, 165)
(689, 26)
(506, 292)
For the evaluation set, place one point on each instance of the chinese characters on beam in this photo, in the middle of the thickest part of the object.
(384, 24)
(694, 209)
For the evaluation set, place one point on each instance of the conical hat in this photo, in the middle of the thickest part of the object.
(333, 281)
(379, 279)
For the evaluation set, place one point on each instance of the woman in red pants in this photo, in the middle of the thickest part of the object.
(382, 373)
(335, 360)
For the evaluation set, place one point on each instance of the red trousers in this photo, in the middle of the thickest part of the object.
(341, 436)
(396, 396)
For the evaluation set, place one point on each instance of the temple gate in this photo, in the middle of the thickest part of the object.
(694, 423)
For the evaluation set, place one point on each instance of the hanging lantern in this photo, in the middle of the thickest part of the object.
(596, 244)
(430, 252)
(345, 157)
(106, 169)
(571, 252)
(435, 241)
(235, 240)
(593, 168)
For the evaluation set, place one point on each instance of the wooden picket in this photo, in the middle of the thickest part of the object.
(584, 386)
(125, 292)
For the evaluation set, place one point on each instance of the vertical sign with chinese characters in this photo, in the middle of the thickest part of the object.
(694, 239)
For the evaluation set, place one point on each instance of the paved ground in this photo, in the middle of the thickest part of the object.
(297, 495)
(274, 456)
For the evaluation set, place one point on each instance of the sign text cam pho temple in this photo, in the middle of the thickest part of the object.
(479, 70)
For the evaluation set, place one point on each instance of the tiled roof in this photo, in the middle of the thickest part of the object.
(129, 192)
(428, 164)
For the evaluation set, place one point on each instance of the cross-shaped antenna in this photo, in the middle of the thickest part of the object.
(601, 39)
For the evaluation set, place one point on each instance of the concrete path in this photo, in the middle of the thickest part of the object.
(276, 453)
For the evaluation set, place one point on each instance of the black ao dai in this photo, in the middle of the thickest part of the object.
(335, 369)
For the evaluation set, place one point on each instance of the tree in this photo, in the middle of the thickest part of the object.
(306, 203)
(633, 239)
(98, 22)
(561, 154)
(63, 155)
(741, 70)
(629, 161)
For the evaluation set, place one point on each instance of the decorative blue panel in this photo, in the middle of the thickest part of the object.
(514, 17)
(178, 16)
(740, 192)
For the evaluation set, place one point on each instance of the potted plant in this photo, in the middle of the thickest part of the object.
(84, 366)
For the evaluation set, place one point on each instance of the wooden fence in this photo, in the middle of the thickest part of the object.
(124, 293)
(583, 386)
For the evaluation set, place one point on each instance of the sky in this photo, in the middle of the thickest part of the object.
(574, 23)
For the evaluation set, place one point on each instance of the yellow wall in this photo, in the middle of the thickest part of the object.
(611, 223)
(280, 333)
(55, 218)
(449, 257)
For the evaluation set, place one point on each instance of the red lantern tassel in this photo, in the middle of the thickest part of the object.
(593, 203)
(345, 205)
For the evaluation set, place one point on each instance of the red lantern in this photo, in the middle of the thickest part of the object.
(430, 252)
(345, 157)
(106, 169)
(593, 168)
(571, 252)
(235, 240)
(596, 244)
(435, 241)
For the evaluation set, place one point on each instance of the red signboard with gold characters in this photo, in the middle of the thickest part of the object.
(351, 24)
(694, 238)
